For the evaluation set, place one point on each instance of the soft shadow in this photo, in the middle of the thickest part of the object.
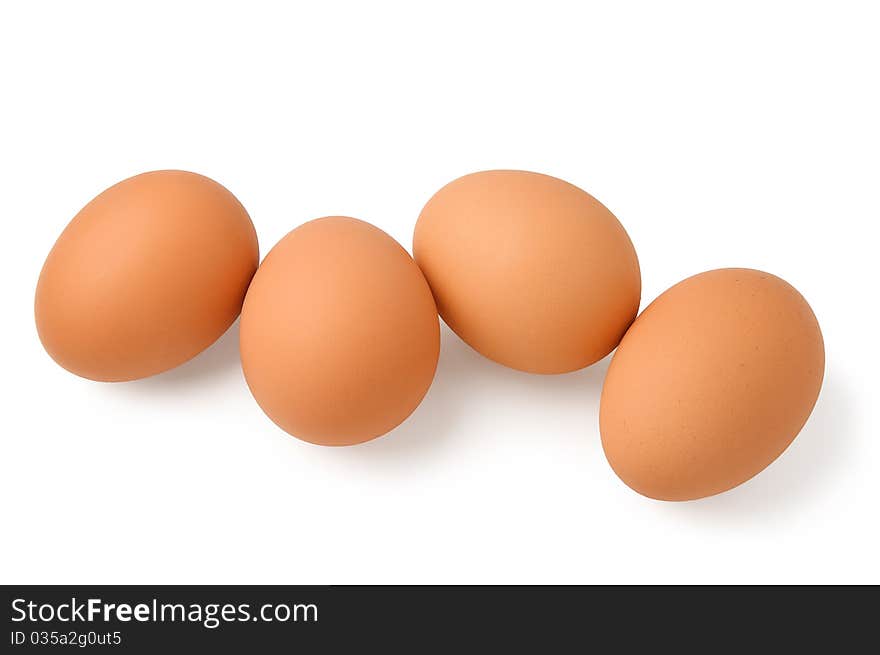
(812, 462)
(219, 361)
(433, 422)
(461, 374)
(576, 391)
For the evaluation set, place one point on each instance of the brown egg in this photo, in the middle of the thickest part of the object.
(710, 384)
(529, 270)
(146, 276)
(339, 333)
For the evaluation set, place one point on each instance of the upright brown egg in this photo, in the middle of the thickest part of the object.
(529, 270)
(339, 333)
(147, 275)
(710, 384)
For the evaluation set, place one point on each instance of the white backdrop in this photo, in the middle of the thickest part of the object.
(737, 136)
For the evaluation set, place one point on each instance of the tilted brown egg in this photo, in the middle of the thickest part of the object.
(529, 270)
(339, 333)
(711, 383)
(146, 276)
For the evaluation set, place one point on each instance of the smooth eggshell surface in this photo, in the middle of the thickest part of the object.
(529, 270)
(339, 333)
(711, 383)
(147, 275)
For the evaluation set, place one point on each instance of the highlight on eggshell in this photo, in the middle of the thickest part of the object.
(339, 333)
(146, 276)
(712, 382)
(529, 270)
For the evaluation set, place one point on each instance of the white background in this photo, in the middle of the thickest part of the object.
(742, 135)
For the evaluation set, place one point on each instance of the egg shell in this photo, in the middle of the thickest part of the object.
(529, 270)
(339, 333)
(146, 276)
(711, 383)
